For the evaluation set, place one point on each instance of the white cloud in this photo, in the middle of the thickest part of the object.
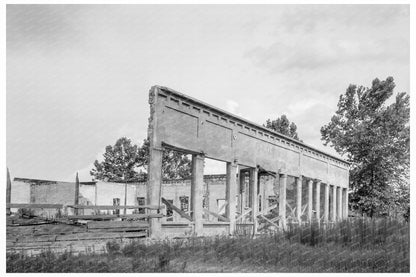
(231, 106)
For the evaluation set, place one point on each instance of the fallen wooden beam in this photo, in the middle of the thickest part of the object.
(116, 224)
(176, 209)
(217, 215)
(34, 206)
(243, 214)
(113, 216)
(99, 236)
(109, 207)
(117, 230)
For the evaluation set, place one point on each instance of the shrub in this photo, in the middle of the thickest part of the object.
(113, 247)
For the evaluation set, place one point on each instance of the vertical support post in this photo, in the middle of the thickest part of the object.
(318, 201)
(253, 196)
(326, 203)
(299, 199)
(197, 192)
(154, 172)
(282, 200)
(125, 197)
(310, 195)
(339, 196)
(345, 202)
(154, 183)
(334, 203)
(231, 192)
(260, 195)
(95, 195)
(8, 192)
(76, 200)
(242, 177)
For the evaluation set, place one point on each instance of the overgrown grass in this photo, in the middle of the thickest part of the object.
(349, 246)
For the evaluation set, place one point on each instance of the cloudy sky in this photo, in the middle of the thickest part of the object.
(78, 76)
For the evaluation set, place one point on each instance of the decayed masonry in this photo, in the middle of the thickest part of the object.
(183, 123)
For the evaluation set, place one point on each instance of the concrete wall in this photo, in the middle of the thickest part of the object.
(103, 193)
(20, 192)
(182, 122)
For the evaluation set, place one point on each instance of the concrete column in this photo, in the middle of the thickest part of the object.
(282, 200)
(326, 203)
(299, 198)
(242, 177)
(125, 197)
(339, 203)
(231, 192)
(154, 182)
(334, 203)
(253, 196)
(8, 192)
(197, 192)
(310, 196)
(76, 199)
(318, 201)
(345, 203)
(95, 195)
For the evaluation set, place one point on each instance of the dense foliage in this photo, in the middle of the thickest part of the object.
(284, 126)
(127, 162)
(375, 138)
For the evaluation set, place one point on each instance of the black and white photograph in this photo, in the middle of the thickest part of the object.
(207, 138)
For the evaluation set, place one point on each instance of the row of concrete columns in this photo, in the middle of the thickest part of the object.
(339, 200)
(197, 184)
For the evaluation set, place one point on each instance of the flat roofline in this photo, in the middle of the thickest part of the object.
(51, 181)
(220, 111)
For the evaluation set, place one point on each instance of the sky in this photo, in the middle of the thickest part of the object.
(78, 76)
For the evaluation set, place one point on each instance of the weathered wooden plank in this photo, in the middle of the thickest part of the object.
(44, 228)
(176, 209)
(34, 206)
(217, 215)
(35, 239)
(119, 229)
(93, 216)
(110, 207)
(93, 241)
(243, 214)
(112, 216)
(26, 245)
(272, 223)
(100, 236)
(116, 224)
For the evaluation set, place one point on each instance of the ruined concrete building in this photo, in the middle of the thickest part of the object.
(270, 178)
(318, 181)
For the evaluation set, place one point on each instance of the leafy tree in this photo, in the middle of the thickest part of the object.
(127, 162)
(174, 164)
(122, 159)
(284, 126)
(375, 137)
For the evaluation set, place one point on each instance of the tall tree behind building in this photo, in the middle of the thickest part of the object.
(375, 137)
(129, 160)
(284, 126)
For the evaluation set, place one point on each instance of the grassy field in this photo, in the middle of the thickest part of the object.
(349, 246)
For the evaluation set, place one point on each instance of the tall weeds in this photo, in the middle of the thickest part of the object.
(361, 245)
